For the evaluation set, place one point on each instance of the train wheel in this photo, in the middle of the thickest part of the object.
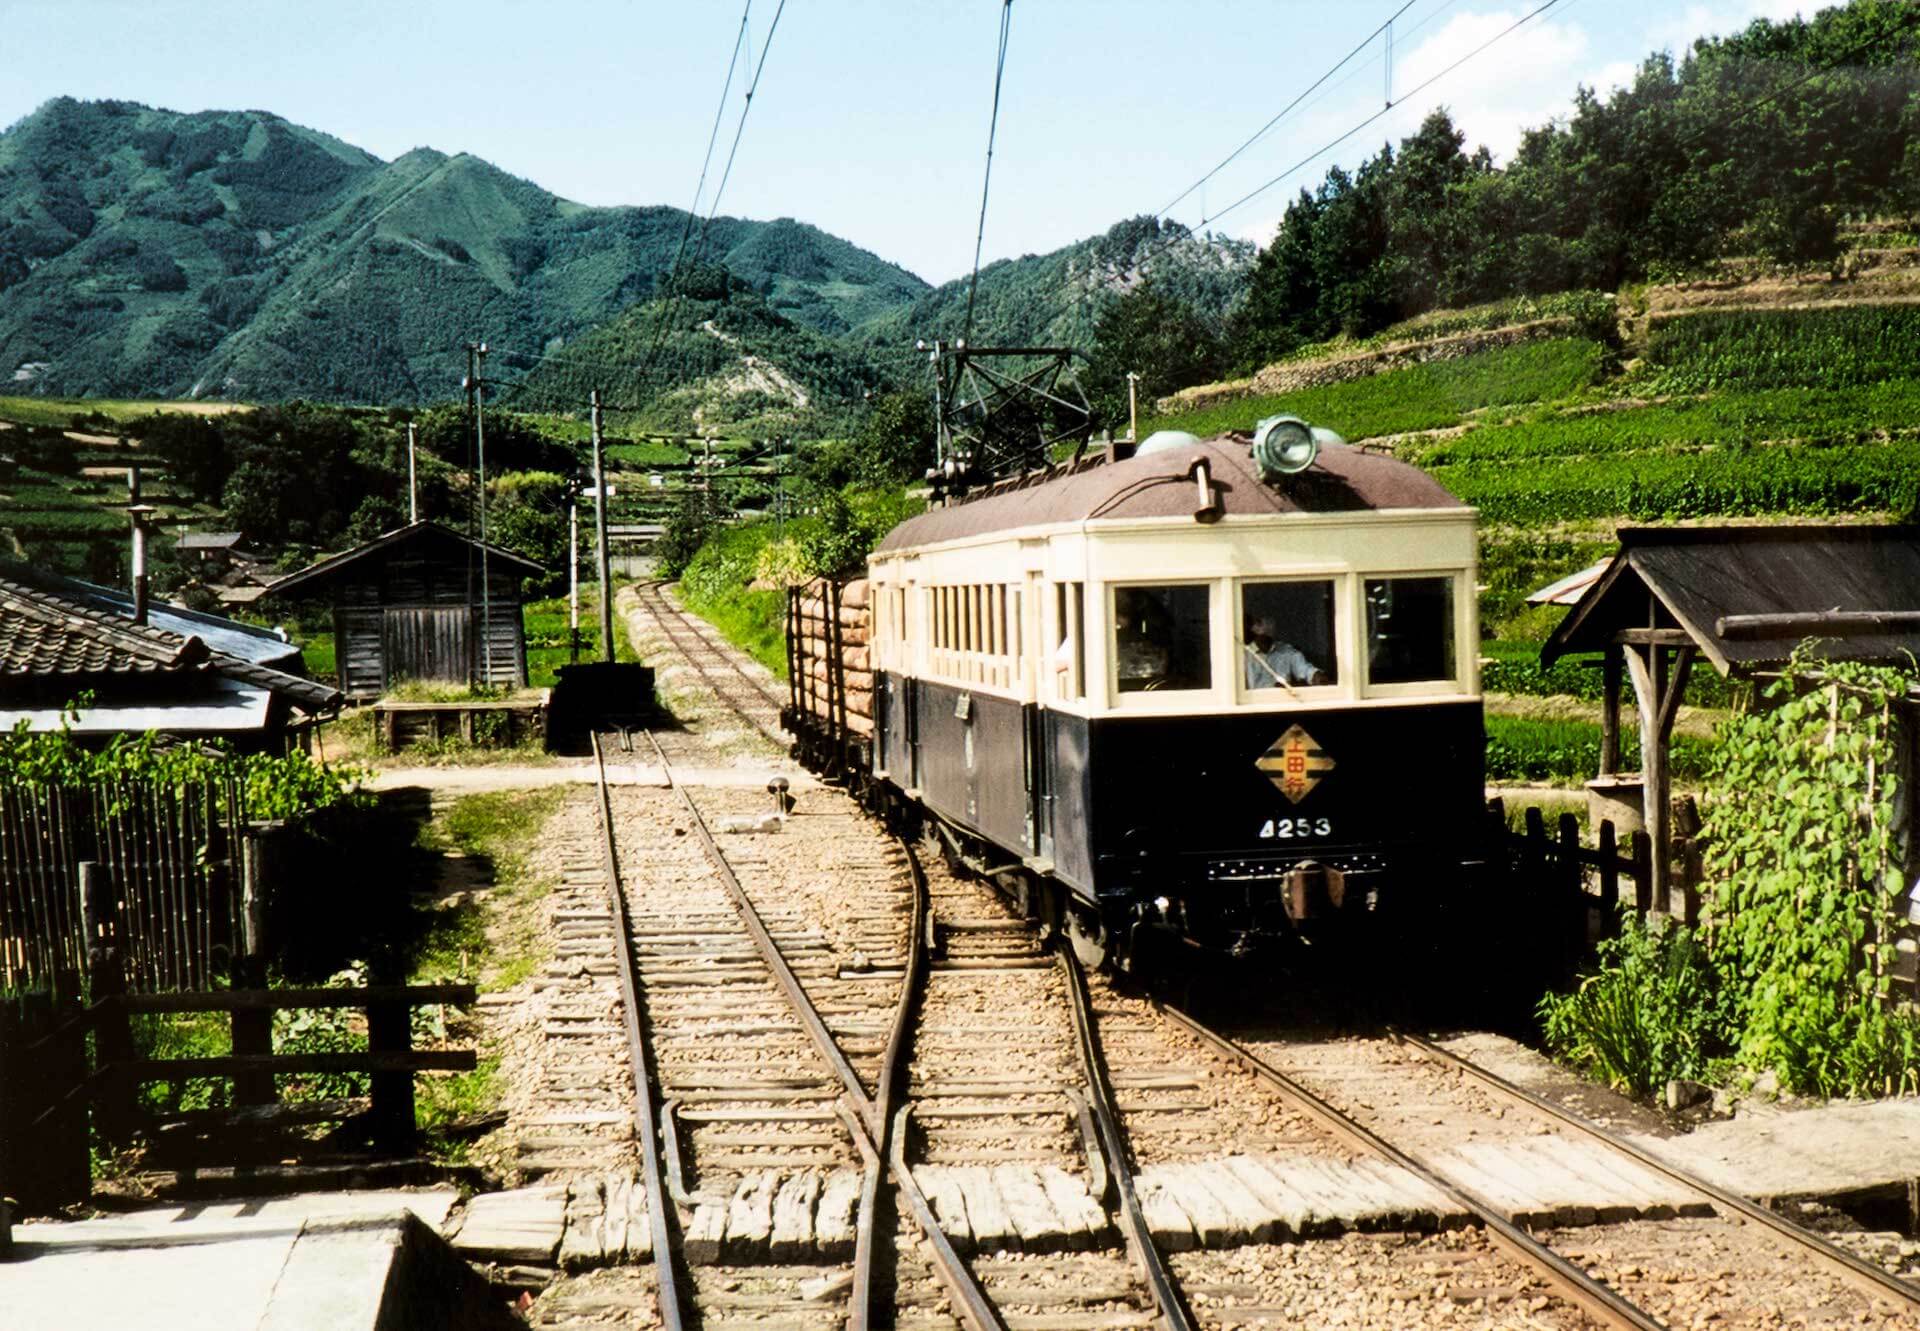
(1091, 941)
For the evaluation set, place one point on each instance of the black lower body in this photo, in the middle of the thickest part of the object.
(1166, 841)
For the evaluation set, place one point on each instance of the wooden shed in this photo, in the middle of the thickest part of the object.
(422, 602)
(1742, 598)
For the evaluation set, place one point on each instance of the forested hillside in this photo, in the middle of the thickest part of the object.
(1753, 147)
(1055, 299)
(710, 355)
(233, 254)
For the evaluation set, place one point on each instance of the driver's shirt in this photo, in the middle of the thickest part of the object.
(1282, 663)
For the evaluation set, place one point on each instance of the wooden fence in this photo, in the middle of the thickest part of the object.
(1601, 871)
(172, 852)
(58, 1060)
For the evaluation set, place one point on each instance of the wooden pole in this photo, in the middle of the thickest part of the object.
(600, 533)
(1610, 711)
(1653, 768)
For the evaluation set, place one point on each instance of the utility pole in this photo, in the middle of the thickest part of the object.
(1133, 407)
(573, 570)
(600, 532)
(413, 486)
(478, 379)
(137, 514)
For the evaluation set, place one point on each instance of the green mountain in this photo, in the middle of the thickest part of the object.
(721, 358)
(1054, 299)
(233, 254)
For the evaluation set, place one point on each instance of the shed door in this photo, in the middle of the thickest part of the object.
(429, 642)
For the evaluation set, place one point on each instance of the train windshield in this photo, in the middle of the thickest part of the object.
(1161, 639)
(1409, 630)
(1286, 639)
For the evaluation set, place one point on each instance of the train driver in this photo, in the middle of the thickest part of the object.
(1273, 663)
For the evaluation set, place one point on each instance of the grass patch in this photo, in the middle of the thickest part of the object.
(1831, 348)
(489, 935)
(1421, 397)
(63, 411)
(547, 629)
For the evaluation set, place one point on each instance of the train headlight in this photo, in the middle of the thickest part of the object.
(1283, 446)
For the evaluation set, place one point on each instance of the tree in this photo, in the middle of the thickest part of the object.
(895, 439)
(1161, 339)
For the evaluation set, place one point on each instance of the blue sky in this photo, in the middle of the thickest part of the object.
(871, 118)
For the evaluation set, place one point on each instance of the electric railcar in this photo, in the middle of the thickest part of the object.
(1179, 697)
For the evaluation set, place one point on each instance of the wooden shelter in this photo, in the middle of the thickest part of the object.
(1743, 598)
(422, 602)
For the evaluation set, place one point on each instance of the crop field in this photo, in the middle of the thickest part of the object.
(62, 411)
(1431, 396)
(1776, 414)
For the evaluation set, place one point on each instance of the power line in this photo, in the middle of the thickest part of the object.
(672, 311)
(1420, 87)
(1188, 233)
(993, 127)
(1285, 111)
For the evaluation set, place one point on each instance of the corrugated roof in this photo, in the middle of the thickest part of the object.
(207, 540)
(1704, 577)
(1160, 485)
(1570, 589)
(311, 577)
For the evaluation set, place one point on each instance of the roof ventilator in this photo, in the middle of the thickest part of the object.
(1209, 509)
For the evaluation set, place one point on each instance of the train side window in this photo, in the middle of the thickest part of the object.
(1286, 635)
(1068, 660)
(1410, 630)
(1161, 639)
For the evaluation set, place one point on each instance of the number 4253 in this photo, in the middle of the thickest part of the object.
(1276, 828)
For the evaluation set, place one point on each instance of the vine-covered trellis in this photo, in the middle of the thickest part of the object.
(164, 823)
(1810, 848)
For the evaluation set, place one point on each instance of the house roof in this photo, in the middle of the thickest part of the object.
(227, 637)
(47, 636)
(311, 578)
(1159, 485)
(1749, 595)
(207, 540)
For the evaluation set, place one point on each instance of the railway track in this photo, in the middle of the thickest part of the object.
(1056, 1153)
(733, 686)
(1674, 1248)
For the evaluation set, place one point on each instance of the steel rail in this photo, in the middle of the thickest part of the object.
(666, 1279)
(1592, 1297)
(969, 1297)
(1871, 1279)
(771, 955)
(1146, 1255)
(859, 1110)
(675, 636)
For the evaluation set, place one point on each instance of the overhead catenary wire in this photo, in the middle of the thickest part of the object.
(986, 183)
(1186, 233)
(1418, 88)
(645, 367)
(1286, 110)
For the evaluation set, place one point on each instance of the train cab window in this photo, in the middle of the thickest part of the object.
(1161, 639)
(1286, 635)
(1410, 630)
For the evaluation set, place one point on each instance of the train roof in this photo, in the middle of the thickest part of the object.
(1343, 479)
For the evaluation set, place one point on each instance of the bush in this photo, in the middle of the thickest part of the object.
(1647, 1014)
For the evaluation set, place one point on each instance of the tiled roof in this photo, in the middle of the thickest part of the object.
(43, 634)
(46, 635)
